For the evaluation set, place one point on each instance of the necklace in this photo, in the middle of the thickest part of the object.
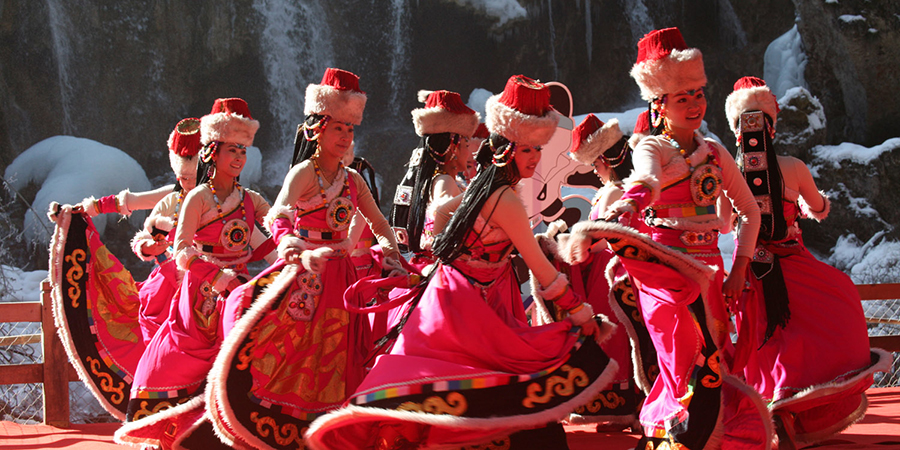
(678, 147)
(219, 205)
(178, 206)
(320, 177)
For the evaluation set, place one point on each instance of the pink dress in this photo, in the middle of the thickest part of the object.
(467, 367)
(166, 401)
(297, 353)
(693, 402)
(818, 367)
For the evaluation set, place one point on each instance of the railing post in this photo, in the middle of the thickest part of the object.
(56, 364)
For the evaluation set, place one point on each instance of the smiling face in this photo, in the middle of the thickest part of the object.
(684, 110)
(601, 169)
(336, 139)
(527, 159)
(230, 159)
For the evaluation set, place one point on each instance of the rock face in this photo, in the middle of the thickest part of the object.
(123, 73)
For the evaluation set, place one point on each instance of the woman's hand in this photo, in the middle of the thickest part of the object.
(621, 212)
(154, 247)
(736, 282)
(590, 328)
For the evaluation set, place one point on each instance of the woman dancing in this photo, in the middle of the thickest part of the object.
(467, 368)
(807, 343)
(298, 352)
(212, 248)
(681, 182)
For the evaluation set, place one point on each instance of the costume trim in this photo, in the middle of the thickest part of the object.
(342, 105)
(218, 375)
(278, 211)
(523, 129)
(122, 435)
(138, 241)
(881, 362)
(228, 127)
(183, 166)
(289, 242)
(506, 423)
(818, 215)
(637, 361)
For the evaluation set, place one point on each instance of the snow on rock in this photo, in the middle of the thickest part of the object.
(477, 98)
(502, 10)
(20, 286)
(785, 63)
(69, 169)
(875, 261)
(853, 152)
(850, 18)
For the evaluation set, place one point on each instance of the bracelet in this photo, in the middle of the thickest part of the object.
(577, 308)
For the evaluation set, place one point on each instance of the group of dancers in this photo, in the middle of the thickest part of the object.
(343, 343)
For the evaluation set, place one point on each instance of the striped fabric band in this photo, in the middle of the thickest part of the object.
(691, 210)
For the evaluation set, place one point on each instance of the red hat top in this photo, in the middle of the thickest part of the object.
(229, 121)
(444, 112)
(481, 132)
(666, 65)
(750, 94)
(184, 144)
(337, 96)
(522, 112)
(591, 138)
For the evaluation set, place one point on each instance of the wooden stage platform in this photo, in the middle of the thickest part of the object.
(880, 429)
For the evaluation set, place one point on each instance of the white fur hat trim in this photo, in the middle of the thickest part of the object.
(598, 142)
(757, 98)
(523, 129)
(439, 120)
(680, 70)
(224, 127)
(184, 167)
(342, 105)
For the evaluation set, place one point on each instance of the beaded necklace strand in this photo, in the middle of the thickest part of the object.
(219, 205)
(678, 147)
(320, 177)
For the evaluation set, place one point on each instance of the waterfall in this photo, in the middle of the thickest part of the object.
(785, 63)
(638, 17)
(730, 23)
(399, 54)
(62, 42)
(588, 31)
(296, 47)
(552, 41)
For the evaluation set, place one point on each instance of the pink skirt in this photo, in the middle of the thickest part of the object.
(465, 369)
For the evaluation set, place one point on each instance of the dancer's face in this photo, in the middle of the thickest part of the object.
(601, 169)
(187, 182)
(336, 139)
(527, 159)
(230, 159)
(685, 109)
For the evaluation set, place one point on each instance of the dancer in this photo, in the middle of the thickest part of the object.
(605, 148)
(680, 177)
(212, 248)
(467, 368)
(105, 320)
(298, 353)
(445, 126)
(802, 322)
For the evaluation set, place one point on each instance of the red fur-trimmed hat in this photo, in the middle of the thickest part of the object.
(522, 112)
(591, 138)
(666, 65)
(228, 121)
(750, 94)
(444, 112)
(641, 129)
(184, 144)
(337, 96)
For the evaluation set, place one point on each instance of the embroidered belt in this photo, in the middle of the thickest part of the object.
(322, 235)
(681, 210)
(697, 238)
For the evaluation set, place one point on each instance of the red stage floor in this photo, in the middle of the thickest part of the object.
(880, 429)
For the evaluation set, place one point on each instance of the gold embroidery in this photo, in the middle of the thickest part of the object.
(305, 359)
(455, 405)
(713, 381)
(106, 382)
(497, 444)
(74, 274)
(206, 311)
(143, 412)
(556, 385)
(117, 300)
(244, 354)
(607, 399)
(287, 434)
